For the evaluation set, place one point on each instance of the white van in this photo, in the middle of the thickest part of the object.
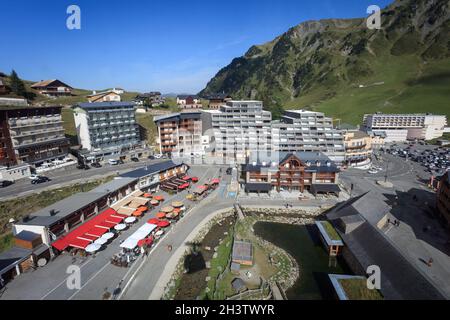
(113, 162)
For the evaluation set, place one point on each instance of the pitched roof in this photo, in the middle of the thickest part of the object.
(151, 169)
(103, 93)
(61, 209)
(370, 206)
(46, 83)
(11, 257)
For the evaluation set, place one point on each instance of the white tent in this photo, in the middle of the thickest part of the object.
(132, 241)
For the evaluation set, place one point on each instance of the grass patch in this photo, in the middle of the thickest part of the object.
(332, 233)
(19, 207)
(218, 266)
(356, 289)
(6, 242)
(145, 120)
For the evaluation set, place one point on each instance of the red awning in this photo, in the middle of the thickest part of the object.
(97, 232)
(115, 220)
(79, 243)
(194, 179)
(215, 181)
(60, 244)
(87, 237)
(81, 236)
(106, 225)
(186, 178)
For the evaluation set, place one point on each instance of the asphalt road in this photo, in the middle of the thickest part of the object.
(97, 273)
(66, 176)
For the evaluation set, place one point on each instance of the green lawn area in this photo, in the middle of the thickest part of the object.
(146, 121)
(19, 207)
(409, 86)
(332, 233)
(220, 262)
(356, 289)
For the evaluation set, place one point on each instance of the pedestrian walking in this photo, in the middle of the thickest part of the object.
(389, 221)
(430, 262)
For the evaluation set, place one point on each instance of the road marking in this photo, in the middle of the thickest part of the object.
(89, 280)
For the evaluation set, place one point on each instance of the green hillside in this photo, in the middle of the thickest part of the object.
(344, 69)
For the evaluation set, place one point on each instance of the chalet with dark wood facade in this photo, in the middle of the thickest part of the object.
(298, 171)
(53, 88)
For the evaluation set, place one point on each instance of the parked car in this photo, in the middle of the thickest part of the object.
(113, 162)
(158, 156)
(151, 157)
(40, 179)
(6, 183)
(83, 166)
(134, 159)
(96, 165)
(33, 176)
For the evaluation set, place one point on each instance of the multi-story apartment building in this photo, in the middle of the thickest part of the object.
(238, 129)
(402, 127)
(358, 148)
(308, 131)
(33, 135)
(180, 134)
(107, 128)
(443, 197)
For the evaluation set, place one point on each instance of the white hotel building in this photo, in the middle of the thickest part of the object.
(308, 131)
(403, 127)
(239, 128)
(106, 128)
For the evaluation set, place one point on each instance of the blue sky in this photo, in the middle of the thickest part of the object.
(165, 45)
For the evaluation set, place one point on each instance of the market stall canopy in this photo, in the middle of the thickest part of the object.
(215, 181)
(148, 195)
(159, 198)
(194, 179)
(186, 178)
(132, 241)
(143, 208)
(126, 210)
(154, 202)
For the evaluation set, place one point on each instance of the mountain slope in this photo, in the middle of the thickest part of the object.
(343, 68)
